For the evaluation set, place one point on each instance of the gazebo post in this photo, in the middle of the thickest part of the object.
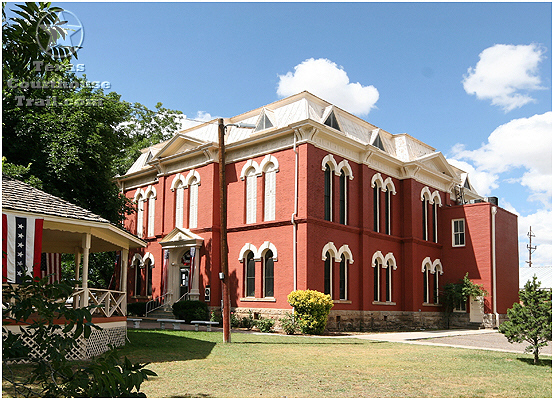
(86, 250)
(123, 276)
(77, 267)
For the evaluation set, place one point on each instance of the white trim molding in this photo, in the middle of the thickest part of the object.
(245, 248)
(250, 164)
(263, 248)
(192, 174)
(330, 247)
(344, 249)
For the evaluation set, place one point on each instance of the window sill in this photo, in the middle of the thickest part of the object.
(384, 303)
(255, 299)
(142, 297)
(431, 305)
(342, 301)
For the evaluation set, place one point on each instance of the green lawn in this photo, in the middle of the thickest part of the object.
(198, 364)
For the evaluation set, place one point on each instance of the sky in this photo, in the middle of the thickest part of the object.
(473, 80)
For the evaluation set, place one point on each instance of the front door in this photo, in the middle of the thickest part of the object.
(476, 309)
(185, 274)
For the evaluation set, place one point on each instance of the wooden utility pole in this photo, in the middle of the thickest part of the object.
(530, 247)
(226, 311)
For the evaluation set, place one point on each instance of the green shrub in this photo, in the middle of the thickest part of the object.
(215, 316)
(235, 321)
(191, 310)
(138, 308)
(311, 309)
(288, 324)
(265, 324)
(248, 322)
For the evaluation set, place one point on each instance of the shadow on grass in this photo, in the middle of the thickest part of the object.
(542, 362)
(152, 346)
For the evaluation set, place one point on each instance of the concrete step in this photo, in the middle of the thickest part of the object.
(161, 314)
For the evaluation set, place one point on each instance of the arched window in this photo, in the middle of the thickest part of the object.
(377, 185)
(388, 283)
(193, 203)
(389, 191)
(251, 191)
(250, 276)
(269, 192)
(376, 280)
(343, 278)
(437, 202)
(138, 276)
(328, 198)
(179, 199)
(343, 185)
(268, 274)
(140, 216)
(328, 279)
(151, 197)
(148, 272)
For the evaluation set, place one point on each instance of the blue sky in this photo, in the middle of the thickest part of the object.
(471, 79)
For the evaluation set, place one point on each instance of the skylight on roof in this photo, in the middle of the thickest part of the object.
(378, 143)
(332, 121)
(264, 123)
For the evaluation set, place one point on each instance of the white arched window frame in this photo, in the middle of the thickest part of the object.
(329, 166)
(389, 265)
(151, 197)
(328, 255)
(139, 200)
(377, 183)
(178, 186)
(425, 201)
(270, 167)
(437, 202)
(136, 263)
(193, 203)
(436, 268)
(268, 272)
(345, 258)
(427, 269)
(148, 264)
(344, 175)
(390, 190)
(377, 262)
(251, 198)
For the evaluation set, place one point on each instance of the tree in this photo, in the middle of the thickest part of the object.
(530, 320)
(71, 136)
(454, 294)
(46, 344)
(311, 310)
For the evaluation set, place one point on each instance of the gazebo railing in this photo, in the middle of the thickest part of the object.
(108, 302)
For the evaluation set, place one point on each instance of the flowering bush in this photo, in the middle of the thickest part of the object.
(311, 309)
(288, 324)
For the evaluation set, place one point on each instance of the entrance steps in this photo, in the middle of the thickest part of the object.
(161, 314)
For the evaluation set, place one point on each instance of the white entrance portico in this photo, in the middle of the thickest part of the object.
(183, 275)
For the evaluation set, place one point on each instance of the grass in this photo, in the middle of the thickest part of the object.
(198, 364)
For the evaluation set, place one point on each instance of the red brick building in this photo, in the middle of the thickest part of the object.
(317, 199)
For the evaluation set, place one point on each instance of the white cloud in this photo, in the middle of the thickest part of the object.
(325, 79)
(541, 224)
(504, 74)
(521, 143)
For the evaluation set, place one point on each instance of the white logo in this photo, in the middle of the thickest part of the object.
(64, 36)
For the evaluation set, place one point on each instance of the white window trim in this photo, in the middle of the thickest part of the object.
(454, 233)
(270, 184)
(251, 195)
(193, 204)
(346, 262)
(179, 205)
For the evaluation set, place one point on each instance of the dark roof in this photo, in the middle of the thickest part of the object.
(19, 196)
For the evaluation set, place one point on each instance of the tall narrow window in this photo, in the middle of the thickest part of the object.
(327, 274)
(193, 203)
(140, 216)
(376, 208)
(389, 282)
(458, 233)
(328, 193)
(179, 199)
(426, 285)
(376, 281)
(436, 287)
(342, 278)
(251, 191)
(425, 217)
(268, 274)
(343, 183)
(387, 212)
(250, 275)
(269, 196)
(151, 213)
(148, 271)
(138, 279)
(435, 223)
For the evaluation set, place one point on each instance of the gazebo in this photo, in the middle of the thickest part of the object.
(67, 228)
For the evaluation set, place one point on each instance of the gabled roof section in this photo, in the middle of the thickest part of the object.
(437, 162)
(330, 118)
(179, 237)
(178, 144)
(265, 121)
(376, 141)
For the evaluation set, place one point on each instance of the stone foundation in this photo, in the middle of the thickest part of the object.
(368, 321)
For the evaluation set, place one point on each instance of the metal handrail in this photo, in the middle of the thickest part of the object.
(161, 301)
